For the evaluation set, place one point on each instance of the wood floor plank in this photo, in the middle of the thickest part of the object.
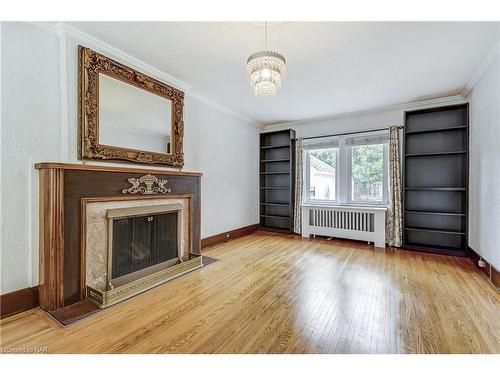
(273, 293)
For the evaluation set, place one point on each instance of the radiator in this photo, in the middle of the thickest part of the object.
(355, 223)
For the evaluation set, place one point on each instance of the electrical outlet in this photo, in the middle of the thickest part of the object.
(481, 263)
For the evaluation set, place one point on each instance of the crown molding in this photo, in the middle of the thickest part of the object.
(447, 100)
(490, 58)
(64, 30)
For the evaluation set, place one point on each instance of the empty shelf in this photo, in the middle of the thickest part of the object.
(437, 188)
(437, 154)
(442, 129)
(434, 213)
(274, 160)
(277, 217)
(276, 204)
(446, 231)
(277, 146)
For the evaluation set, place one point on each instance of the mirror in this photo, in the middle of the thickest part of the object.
(126, 115)
(133, 118)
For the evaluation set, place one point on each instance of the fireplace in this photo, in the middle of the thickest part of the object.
(132, 245)
(142, 241)
(83, 207)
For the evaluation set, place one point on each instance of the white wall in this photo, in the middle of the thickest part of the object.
(226, 151)
(484, 172)
(39, 123)
(30, 133)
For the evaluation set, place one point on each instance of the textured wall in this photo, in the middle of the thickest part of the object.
(39, 123)
(30, 133)
(484, 196)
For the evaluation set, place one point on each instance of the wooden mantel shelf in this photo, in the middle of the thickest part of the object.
(105, 168)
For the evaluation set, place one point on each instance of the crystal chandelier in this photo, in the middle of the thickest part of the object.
(266, 69)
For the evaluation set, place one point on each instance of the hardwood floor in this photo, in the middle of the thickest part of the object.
(272, 293)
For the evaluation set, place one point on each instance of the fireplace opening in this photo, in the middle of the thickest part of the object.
(142, 242)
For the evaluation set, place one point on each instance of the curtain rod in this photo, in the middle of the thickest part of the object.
(350, 133)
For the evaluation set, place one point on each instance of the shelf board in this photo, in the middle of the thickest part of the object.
(275, 229)
(436, 154)
(434, 213)
(444, 250)
(420, 229)
(276, 146)
(277, 204)
(437, 188)
(274, 172)
(442, 129)
(274, 160)
(277, 216)
(275, 187)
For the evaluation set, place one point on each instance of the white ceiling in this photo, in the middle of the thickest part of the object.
(333, 67)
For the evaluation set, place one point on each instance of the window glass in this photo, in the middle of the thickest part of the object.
(322, 174)
(367, 173)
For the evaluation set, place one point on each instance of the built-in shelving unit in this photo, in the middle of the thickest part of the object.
(435, 178)
(277, 176)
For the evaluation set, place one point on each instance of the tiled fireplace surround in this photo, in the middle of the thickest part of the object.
(97, 233)
(74, 202)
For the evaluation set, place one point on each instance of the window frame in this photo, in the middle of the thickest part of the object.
(343, 173)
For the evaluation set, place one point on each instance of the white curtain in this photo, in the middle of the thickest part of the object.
(394, 218)
(297, 211)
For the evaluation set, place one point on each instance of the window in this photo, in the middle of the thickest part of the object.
(346, 169)
(320, 169)
(367, 173)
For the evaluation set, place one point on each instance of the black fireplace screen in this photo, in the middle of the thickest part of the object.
(141, 242)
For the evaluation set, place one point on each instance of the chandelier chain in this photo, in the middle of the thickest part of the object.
(265, 35)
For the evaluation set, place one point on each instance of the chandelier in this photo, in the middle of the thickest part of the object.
(266, 70)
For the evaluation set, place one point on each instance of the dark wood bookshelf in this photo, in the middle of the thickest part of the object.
(435, 179)
(277, 177)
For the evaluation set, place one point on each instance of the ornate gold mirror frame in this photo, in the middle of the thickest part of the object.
(91, 64)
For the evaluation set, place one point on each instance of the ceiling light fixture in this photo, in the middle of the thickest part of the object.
(266, 70)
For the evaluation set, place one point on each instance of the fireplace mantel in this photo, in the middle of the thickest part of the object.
(91, 167)
(63, 190)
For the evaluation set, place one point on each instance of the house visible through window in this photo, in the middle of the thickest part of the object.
(346, 169)
(322, 166)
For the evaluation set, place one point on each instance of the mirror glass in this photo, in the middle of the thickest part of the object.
(132, 118)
